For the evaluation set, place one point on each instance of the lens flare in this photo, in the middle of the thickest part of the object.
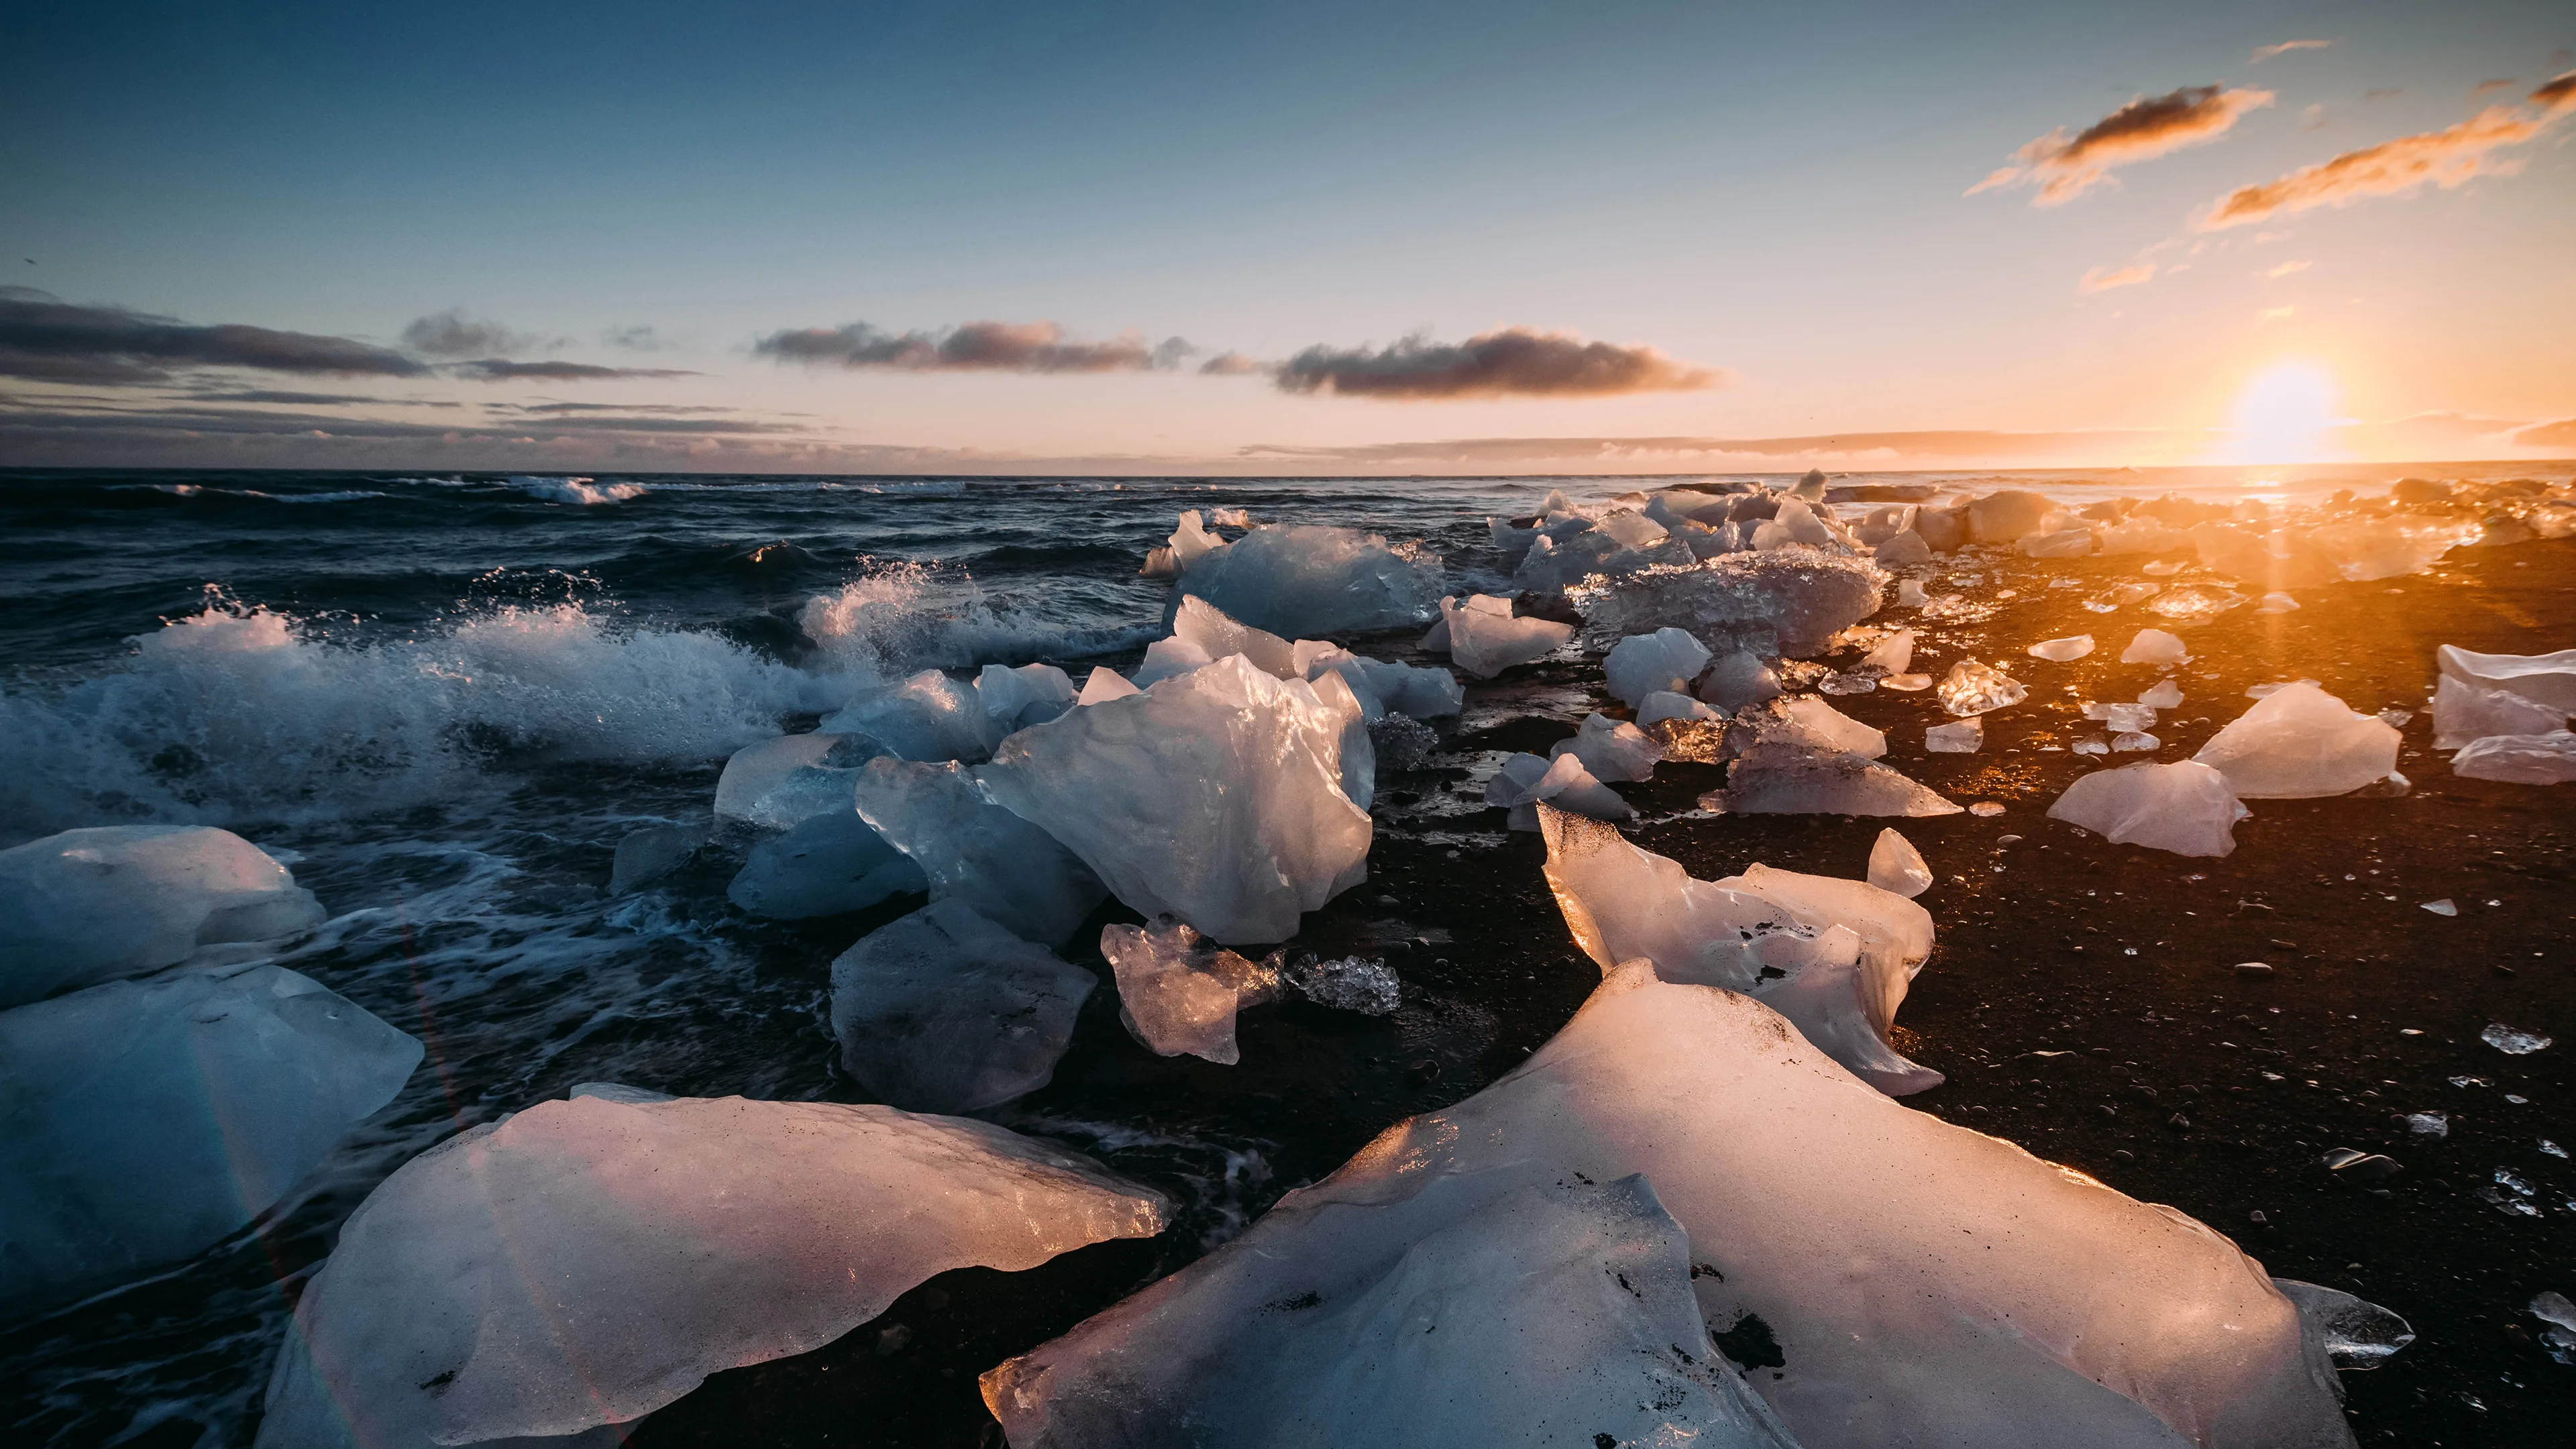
(2286, 414)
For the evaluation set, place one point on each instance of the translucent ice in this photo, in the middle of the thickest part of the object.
(1363, 984)
(1104, 683)
(1612, 749)
(1297, 580)
(146, 1120)
(2275, 603)
(2010, 1303)
(755, 771)
(1552, 1314)
(2011, 514)
(1904, 550)
(2165, 694)
(1802, 721)
(830, 863)
(2186, 807)
(2134, 740)
(1014, 699)
(1964, 737)
(2513, 1041)
(646, 855)
(1974, 688)
(1191, 541)
(1896, 866)
(973, 851)
(1631, 528)
(1215, 796)
(1525, 780)
(929, 716)
(2301, 742)
(1179, 992)
(1911, 594)
(2464, 713)
(92, 905)
(1406, 689)
(2122, 717)
(2547, 759)
(585, 1262)
(1664, 661)
(2063, 543)
(2548, 679)
(1739, 679)
(1786, 780)
(1217, 635)
(946, 1011)
(1801, 596)
(2194, 604)
(2155, 646)
(1485, 643)
(2074, 646)
(1660, 706)
(1895, 653)
(1167, 657)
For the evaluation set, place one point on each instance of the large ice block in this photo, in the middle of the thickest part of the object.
(944, 1010)
(92, 905)
(1643, 664)
(1611, 749)
(1485, 643)
(1790, 780)
(1014, 699)
(831, 863)
(1525, 780)
(1297, 580)
(1800, 596)
(757, 771)
(2186, 807)
(2534, 759)
(1804, 722)
(2298, 742)
(929, 716)
(974, 851)
(2464, 713)
(2548, 679)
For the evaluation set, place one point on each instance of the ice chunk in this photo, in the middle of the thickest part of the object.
(2074, 646)
(1104, 684)
(1549, 1312)
(2134, 740)
(2122, 717)
(1739, 679)
(1161, 562)
(944, 1010)
(2548, 679)
(2275, 603)
(2012, 514)
(929, 716)
(1358, 747)
(2464, 713)
(1296, 579)
(1015, 699)
(1215, 796)
(1525, 780)
(585, 1262)
(2513, 1041)
(1411, 690)
(1217, 635)
(2155, 646)
(1896, 866)
(1179, 992)
(1894, 654)
(1349, 983)
(1485, 643)
(2194, 604)
(2063, 543)
(1229, 518)
(1631, 528)
(1904, 550)
(1611, 749)
(1774, 1164)
(2186, 807)
(1665, 661)
(147, 1120)
(1191, 541)
(2165, 694)
(96, 904)
(2429, 1124)
(2442, 907)
(646, 855)
(1662, 705)
(1965, 737)
(1802, 596)
(755, 770)
(830, 863)
(2301, 742)
(973, 851)
(2537, 759)
(1911, 594)
(1787, 780)
(1802, 721)
(1974, 688)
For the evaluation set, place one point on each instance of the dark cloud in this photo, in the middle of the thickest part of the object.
(501, 369)
(547, 408)
(2447, 158)
(305, 399)
(453, 334)
(974, 347)
(2063, 167)
(183, 421)
(49, 340)
(638, 338)
(1509, 362)
(2557, 93)
(1232, 364)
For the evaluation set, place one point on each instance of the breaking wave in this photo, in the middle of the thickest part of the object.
(583, 491)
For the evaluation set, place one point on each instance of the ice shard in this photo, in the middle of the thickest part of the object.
(2299, 742)
(972, 850)
(944, 1010)
(2186, 807)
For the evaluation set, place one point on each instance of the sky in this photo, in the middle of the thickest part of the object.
(1388, 237)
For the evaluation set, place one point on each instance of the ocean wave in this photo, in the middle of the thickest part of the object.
(583, 491)
(901, 617)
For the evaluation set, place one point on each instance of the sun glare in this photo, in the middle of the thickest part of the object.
(2286, 414)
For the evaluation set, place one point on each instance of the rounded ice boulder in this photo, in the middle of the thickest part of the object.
(93, 905)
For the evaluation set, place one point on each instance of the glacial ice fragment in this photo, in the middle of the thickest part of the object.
(1664, 661)
(1739, 679)
(1178, 992)
(2164, 694)
(2074, 646)
(1485, 643)
(1411, 690)
(1802, 721)
(973, 851)
(646, 855)
(2185, 807)
(1216, 634)
(1965, 737)
(1910, 594)
(1802, 596)
(2155, 646)
(1014, 699)
(1215, 796)
(1897, 867)
(929, 716)
(1525, 780)
(2513, 1041)
(92, 905)
(2298, 743)
(1296, 579)
(2548, 759)
(830, 863)
(1904, 550)
(1104, 683)
(945, 1010)
(1787, 780)
(2548, 679)
(2464, 713)
(2275, 602)
(1894, 654)
(1611, 749)
(1363, 984)
(1974, 688)
(1662, 705)
(142, 1122)
(2063, 543)
(585, 1262)
(754, 771)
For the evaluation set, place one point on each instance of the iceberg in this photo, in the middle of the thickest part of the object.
(1642, 664)
(1896, 866)
(1525, 780)
(1298, 579)
(2010, 1304)
(1485, 643)
(1215, 796)
(96, 904)
(582, 1263)
(2548, 679)
(1789, 780)
(148, 1120)
(2299, 742)
(929, 716)
(2186, 807)
(2533, 759)
(1795, 599)
(1178, 992)
(975, 852)
(830, 863)
(1611, 749)
(944, 1010)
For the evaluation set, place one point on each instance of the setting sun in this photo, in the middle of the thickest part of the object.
(2285, 415)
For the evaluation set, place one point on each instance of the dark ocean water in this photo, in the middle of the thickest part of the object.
(444, 699)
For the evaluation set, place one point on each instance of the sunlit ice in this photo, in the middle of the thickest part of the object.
(2284, 414)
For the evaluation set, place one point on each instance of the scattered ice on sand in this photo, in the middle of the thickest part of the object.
(1974, 688)
(2155, 646)
(1910, 594)
(1524, 780)
(1894, 654)
(1215, 796)
(1788, 780)
(830, 863)
(976, 852)
(2164, 694)
(944, 1010)
(1664, 661)
(1802, 721)
(1302, 580)
(2275, 603)
(2298, 743)
(2442, 907)
(2463, 714)
(2511, 1041)
(1179, 992)
(1739, 679)
(2193, 604)
(2074, 646)
(2549, 679)
(585, 1262)
(1895, 865)
(929, 716)
(146, 1120)
(1014, 699)
(2186, 807)
(2548, 759)
(2130, 741)
(1485, 643)
(1802, 596)
(1773, 1162)
(1349, 983)
(92, 905)
(1964, 737)
(1611, 749)
(1548, 1313)
(1104, 684)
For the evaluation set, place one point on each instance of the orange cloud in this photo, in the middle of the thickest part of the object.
(2560, 434)
(2446, 158)
(2286, 268)
(1510, 361)
(2063, 167)
(2103, 279)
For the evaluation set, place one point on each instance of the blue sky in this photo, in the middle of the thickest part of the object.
(1776, 192)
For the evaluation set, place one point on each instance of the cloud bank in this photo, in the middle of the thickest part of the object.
(975, 347)
(2447, 158)
(2064, 167)
(453, 334)
(1507, 362)
(48, 340)
(501, 369)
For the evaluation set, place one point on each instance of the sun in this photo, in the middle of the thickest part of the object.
(2286, 414)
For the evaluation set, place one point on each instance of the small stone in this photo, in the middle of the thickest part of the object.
(1985, 809)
